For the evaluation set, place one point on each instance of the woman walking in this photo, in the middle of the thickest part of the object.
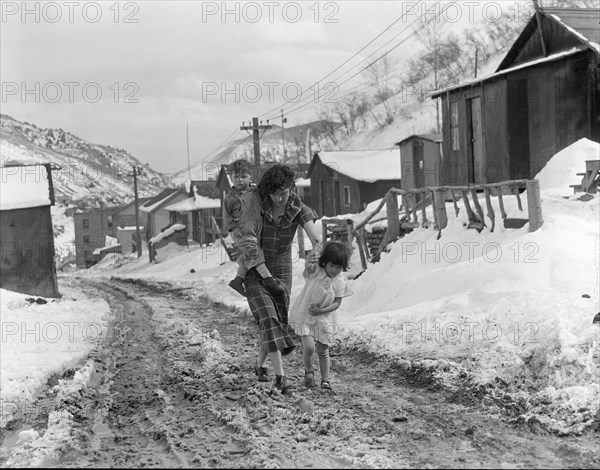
(283, 211)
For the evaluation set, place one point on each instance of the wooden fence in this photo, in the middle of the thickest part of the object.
(437, 197)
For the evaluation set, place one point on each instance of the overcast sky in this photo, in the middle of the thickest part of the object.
(131, 74)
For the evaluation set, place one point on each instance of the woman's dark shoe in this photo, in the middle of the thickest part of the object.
(262, 373)
(283, 386)
(309, 378)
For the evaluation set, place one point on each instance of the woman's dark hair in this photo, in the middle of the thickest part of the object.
(277, 177)
(336, 253)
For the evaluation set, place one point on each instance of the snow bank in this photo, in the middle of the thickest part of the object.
(507, 307)
(561, 170)
(39, 340)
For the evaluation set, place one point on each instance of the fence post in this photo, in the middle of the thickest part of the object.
(392, 216)
(534, 205)
(439, 204)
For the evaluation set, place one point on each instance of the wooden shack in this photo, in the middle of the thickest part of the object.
(544, 96)
(344, 182)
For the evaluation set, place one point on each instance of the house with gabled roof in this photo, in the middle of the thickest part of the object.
(544, 95)
(157, 217)
(344, 182)
(27, 262)
(197, 212)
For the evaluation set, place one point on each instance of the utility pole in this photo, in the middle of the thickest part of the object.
(187, 139)
(137, 213)
(283, 121)
(255, 127)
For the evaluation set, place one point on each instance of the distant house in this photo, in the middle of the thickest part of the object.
(91, 229)
(200, 211)
(421, 157)
(544, 96)
(158, 217)
(125, 216)
(344, 182)
(27, 262)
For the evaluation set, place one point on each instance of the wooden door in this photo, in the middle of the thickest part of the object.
(476, 151)
(418, 164)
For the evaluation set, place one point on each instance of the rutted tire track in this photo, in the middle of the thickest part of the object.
(172, 392)
(137, 415)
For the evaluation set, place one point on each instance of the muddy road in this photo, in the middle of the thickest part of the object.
(174, 387)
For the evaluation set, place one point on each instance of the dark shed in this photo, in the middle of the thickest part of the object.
(26, 235)
(507, 125)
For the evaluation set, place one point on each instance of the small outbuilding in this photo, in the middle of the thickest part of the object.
(27, 262)
(421, 157)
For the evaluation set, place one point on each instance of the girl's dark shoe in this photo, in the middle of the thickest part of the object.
(282, 385)
(325, 385)
(262, 373)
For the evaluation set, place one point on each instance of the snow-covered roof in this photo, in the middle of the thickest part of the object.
(303, 182)
(580, 22)
(472, 81)
(24, 186)
(194, 203)
(171, 230)
(159, 201)
(364, 165)
(129, 228)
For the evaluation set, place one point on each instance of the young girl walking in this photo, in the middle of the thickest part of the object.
(312, 315)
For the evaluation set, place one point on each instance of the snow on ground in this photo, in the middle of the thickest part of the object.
(508, 309)
(42, 339)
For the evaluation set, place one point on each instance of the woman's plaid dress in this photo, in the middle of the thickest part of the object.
(271, 309)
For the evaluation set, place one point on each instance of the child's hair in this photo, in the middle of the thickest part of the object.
(241, 166)
(336, 253)
(277, 177)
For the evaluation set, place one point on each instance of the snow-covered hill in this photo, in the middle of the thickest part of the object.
(86, 173)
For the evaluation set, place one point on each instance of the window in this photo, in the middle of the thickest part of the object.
(87, 254)
(454, 134)
(86, 239)
(85, 223)
(346, 195)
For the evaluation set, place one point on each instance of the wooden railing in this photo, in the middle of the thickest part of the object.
(437, 196)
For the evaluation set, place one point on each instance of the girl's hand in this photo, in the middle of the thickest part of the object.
(314, 310)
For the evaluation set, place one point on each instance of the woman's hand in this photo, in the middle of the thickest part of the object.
(314, 310)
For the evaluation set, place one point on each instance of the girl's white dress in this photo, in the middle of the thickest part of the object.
(319, 289)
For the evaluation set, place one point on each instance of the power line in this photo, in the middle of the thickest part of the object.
(352, 57)
(299, 106)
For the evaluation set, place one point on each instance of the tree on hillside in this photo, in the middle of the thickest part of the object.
(433, 36)
(349, 111)
(379, 76)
